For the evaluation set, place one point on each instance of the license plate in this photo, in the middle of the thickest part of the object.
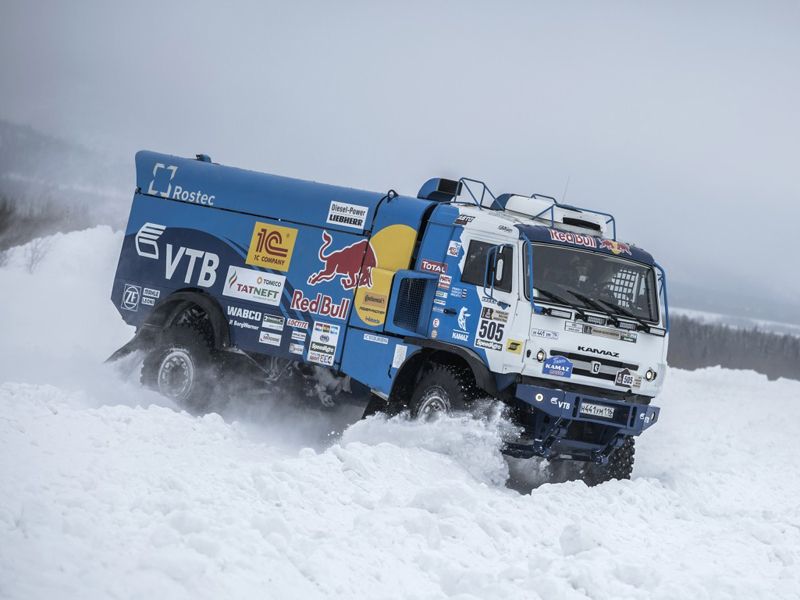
(597, 410)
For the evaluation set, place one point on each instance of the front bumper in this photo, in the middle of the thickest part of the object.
(617, 419)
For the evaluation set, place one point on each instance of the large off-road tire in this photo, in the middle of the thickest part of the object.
(619, 465)
(442, 389)
(182, 367)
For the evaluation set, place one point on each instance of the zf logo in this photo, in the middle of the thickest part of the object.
(130, 297)
(158, 167)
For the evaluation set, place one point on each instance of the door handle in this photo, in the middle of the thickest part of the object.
(449, 311)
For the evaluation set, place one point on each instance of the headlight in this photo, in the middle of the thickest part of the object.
(650, 375)
(541, 355)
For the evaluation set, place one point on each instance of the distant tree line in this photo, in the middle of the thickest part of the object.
(694, 345)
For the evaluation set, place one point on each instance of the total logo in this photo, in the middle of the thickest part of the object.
(322, 305)
(353, 263)
(160, 172)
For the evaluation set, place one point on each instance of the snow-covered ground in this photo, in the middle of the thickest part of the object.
(107, 491)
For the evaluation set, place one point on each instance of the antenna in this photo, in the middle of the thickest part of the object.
(566, 189)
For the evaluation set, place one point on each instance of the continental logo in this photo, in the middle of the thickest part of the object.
(375, 300)
(513, 346)
(271, 246)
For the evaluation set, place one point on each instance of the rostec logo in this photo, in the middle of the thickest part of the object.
(271, 246)
(130, 297)
(146, 239)
(172, 171)
(354, 263)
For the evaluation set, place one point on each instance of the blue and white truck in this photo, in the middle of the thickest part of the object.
(424, 303)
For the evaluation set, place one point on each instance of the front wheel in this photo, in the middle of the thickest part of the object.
(619, 465)
(181, 367)
(442, 390)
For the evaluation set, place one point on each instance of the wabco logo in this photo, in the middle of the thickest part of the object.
(271, 246)
(598, 351)
(164, 174)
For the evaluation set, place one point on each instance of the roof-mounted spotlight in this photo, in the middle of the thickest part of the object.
(440, 190)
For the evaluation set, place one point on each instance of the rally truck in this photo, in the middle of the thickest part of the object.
(420, 304)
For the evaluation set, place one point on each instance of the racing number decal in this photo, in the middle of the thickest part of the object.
(490, 330)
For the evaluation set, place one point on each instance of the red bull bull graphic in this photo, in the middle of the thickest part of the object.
(353, 263)
(615, 247)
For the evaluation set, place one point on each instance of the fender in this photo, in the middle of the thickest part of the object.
(484, 378)
(165, 313)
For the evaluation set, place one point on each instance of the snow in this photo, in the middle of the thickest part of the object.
(108, 491)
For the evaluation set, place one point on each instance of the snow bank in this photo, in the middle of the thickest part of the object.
(104, 493)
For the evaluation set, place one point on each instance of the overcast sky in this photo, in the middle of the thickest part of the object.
(681, 118)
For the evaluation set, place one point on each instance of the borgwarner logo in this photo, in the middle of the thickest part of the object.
(176, 192)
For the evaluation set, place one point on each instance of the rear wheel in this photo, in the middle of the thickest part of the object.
(619, 465)
(182, 368)
(442, 390)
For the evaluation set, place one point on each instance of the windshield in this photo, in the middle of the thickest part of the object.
(592, 281)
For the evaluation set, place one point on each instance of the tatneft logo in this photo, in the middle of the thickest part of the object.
(160, 172)
(256, 286)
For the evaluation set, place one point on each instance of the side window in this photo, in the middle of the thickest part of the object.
(475, 266)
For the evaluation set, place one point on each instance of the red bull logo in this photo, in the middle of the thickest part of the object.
(615, 247)
(353, 263)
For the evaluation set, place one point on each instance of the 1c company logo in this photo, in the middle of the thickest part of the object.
(271, 246)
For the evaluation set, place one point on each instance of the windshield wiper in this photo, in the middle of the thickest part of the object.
(593, 303)
(625, 312)
(561, 300)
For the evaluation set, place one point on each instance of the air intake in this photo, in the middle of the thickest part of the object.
(439, 189)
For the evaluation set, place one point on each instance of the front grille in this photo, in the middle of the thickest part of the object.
(409, 303)
(582, 365)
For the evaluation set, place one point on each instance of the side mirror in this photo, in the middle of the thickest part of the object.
(495, 267)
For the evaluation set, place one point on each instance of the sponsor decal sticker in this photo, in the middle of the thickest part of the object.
(297, 323)
(299, 336)
(353, 263)
(256, 286)
(441, 294)
(544, 333)
(131, 295)
(558, 366)
(513, 346)
(296, 348)
(322, 305)
(266, 337)
(151, 293)
(494, 314)
(347, 215)
(400, 352)
(271, 246)
(453, 248)
(244, 313)
(436, 322)
(324, 340)
(444, 282)
(273, 322)
(578, 239)
(208, 264)
(505, 229)
(458, 292)
(160, 172)
(432, 266)
(463, 220)
(616, 247)
(377, 339)
(490, 333)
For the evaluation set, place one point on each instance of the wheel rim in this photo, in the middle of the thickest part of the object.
(176, 375)
(433, 403)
